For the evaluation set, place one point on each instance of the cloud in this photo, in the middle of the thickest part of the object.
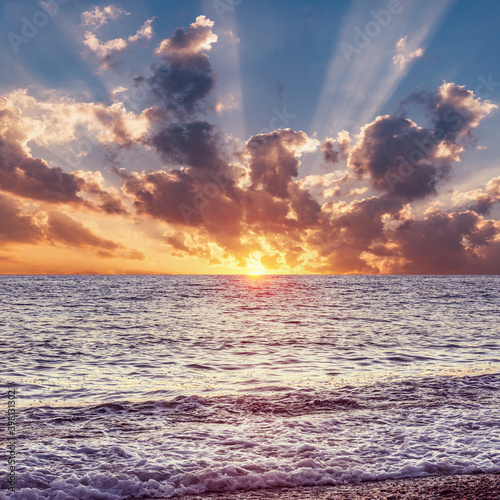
(62, 228)
(324, 185)
(186, 77)
(337, 149)
(351, 232)
(409, 161)
(97, 17)
(56, 120)
(455, 111)
(33, 178)
(190, 43)
(379, 235)
(15, 226)
(406, 53)
(391, 154)
(258, 211)
(274, 159)
(204, 199)
(179, 91)
(330, 154)
(105, 52)
(144, 33)
(195, 144)
(36, 226)
(457, 243)
(115, 125)
(485, 199)
(215, 199)
(229, 103)
(210, 198)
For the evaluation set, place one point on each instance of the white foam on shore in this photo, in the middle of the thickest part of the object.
(95, 486)
(177, 448)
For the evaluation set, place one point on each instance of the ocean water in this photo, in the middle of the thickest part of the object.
(157, 386)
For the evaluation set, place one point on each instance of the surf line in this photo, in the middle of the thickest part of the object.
(11, 428)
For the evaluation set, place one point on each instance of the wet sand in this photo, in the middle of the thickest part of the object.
(466, 487)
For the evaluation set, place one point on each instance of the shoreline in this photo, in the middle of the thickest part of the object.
(454, 487)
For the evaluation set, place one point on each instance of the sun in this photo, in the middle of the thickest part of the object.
(254, 266)
(256, 271)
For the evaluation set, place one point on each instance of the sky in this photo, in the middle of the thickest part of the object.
(249, 137)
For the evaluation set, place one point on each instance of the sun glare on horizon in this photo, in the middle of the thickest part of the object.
(256, 272)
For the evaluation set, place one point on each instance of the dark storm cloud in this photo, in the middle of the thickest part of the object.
(330, 154)
(457, 243)
(306, 208)
(389, 154)
(360, 240)
(186, 77)
(161, 195)
(454, 110)
(335, 150)
(273, 163)
(363, 224)
(198, 189)
(409, 161)
(201, 201)
(347, 235)
(33, 178)
(195, 144)
(483, 204)
(274, 159)
(179, 91)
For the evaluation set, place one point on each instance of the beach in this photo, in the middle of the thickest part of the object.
(463, 487)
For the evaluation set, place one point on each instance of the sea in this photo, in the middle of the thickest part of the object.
(130, 387)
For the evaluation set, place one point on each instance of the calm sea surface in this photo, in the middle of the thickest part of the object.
(136, 387)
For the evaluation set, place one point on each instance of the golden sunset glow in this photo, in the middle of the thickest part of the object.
(164, 157)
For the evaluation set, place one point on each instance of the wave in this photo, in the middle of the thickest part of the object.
(194, 444)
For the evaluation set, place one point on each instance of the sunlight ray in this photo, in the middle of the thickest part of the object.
(360, 80)
(229, 89)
